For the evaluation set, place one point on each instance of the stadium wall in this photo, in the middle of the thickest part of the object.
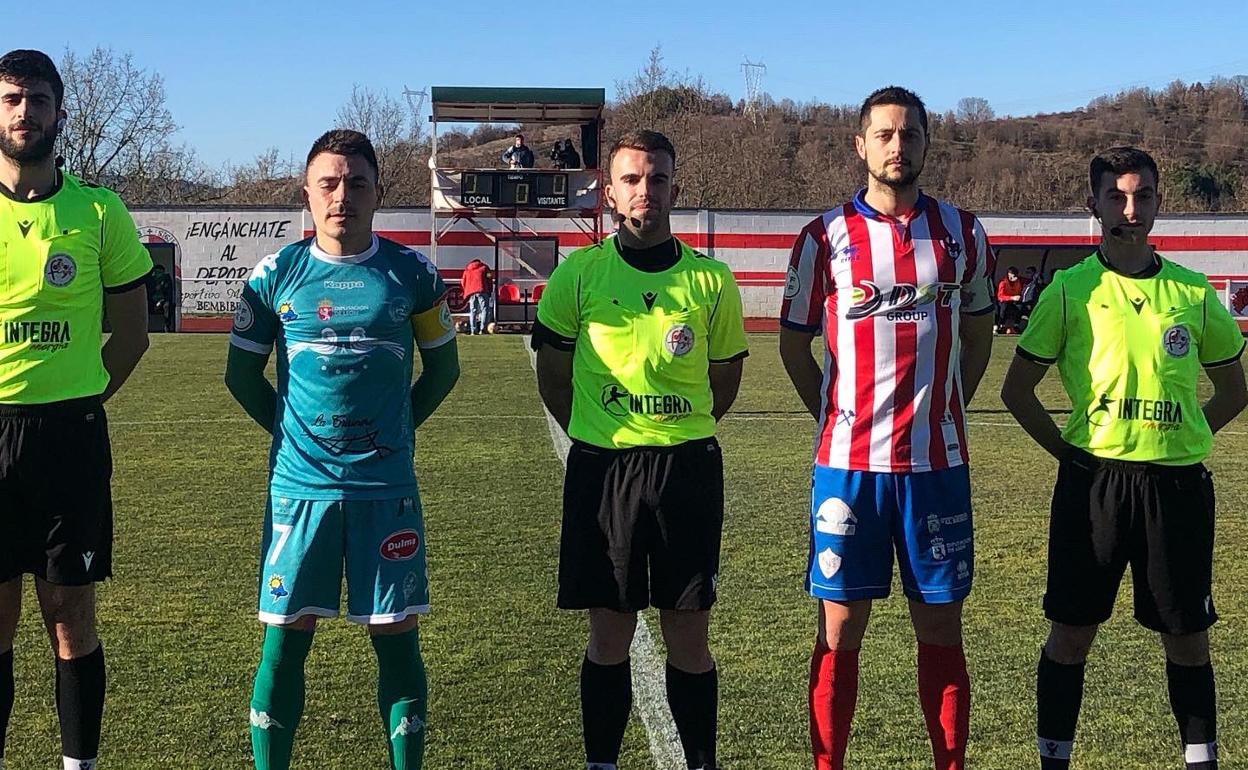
(214, 249)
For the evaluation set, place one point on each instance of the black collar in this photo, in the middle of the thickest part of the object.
(654, 259)
(56, 187)
(1153, 268)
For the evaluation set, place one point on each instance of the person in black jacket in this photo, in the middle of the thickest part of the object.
(519, 155)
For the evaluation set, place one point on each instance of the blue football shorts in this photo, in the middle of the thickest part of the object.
(858, 519)
(308, 544)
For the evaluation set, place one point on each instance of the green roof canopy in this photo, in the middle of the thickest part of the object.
(468, 104)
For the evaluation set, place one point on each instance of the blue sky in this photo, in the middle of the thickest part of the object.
(245, 76)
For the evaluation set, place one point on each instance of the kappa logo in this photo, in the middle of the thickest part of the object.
(407, 726)
(87, 558)
(829, 563)
(834, 517)
(60, 270)
(263, 721)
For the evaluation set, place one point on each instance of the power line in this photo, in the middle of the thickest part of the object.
(754, 73)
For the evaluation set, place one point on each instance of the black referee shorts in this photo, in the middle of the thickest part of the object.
(1159, 519)
(56, 509)
(641, 527)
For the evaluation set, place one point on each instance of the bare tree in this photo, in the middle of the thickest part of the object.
(396, 136)
(974, 109)
(267, 180)
(119, 127)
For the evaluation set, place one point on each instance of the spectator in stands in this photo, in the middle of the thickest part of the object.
(565, 155)
(1033, 284)
(477, 285)
(160, 299)
(1009, 302)
(519, 155)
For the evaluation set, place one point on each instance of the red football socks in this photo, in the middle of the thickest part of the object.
(833, 696)
(945, 695)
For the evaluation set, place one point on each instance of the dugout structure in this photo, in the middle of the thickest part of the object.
(509, 205)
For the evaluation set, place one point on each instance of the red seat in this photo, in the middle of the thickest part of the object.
(509, 294)
(537, 291)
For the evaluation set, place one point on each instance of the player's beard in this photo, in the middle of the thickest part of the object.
(907, 179)
(31, 153)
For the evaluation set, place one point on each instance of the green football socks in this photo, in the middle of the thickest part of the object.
(402, 697)
(277, 698)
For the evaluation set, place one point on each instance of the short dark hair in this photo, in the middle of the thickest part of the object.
(519, 136)
(23, 65)
(1012, 269)
(902, 97)
(344, 141)
(1119, 161)
(644, 140)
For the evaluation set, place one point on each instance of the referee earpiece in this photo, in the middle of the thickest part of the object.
(60, 125)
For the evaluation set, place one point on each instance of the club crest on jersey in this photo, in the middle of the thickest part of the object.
(1177, 341)
(325, 309)
(952, 247)
(60, 270)
(286, 312)
(244, 317)
(679, 339)
(870, 300)
(400, 309)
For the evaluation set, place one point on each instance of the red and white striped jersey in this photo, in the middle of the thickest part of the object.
(887, 294)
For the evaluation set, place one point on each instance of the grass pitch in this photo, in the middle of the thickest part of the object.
(182, 641)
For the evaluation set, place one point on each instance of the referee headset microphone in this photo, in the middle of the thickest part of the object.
(1115, 231)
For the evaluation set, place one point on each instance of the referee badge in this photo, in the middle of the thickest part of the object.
(1177, 340)
(679, 339)
(60, 270)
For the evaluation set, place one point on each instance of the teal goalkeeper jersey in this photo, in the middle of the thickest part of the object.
(343, 330)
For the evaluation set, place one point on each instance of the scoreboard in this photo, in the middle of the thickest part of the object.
(514, 189)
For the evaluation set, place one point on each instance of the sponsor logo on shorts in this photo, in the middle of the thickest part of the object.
(277, 586)
(964, 570)
(1177, 340)
(834, 517)
(60, 270)
(933, 524)
(829, 562)
(401, 545)
(938, 548)
(409, 585)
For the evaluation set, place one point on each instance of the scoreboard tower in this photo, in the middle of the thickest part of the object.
(509, 205)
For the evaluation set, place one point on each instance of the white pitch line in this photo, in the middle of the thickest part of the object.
(649, 687)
